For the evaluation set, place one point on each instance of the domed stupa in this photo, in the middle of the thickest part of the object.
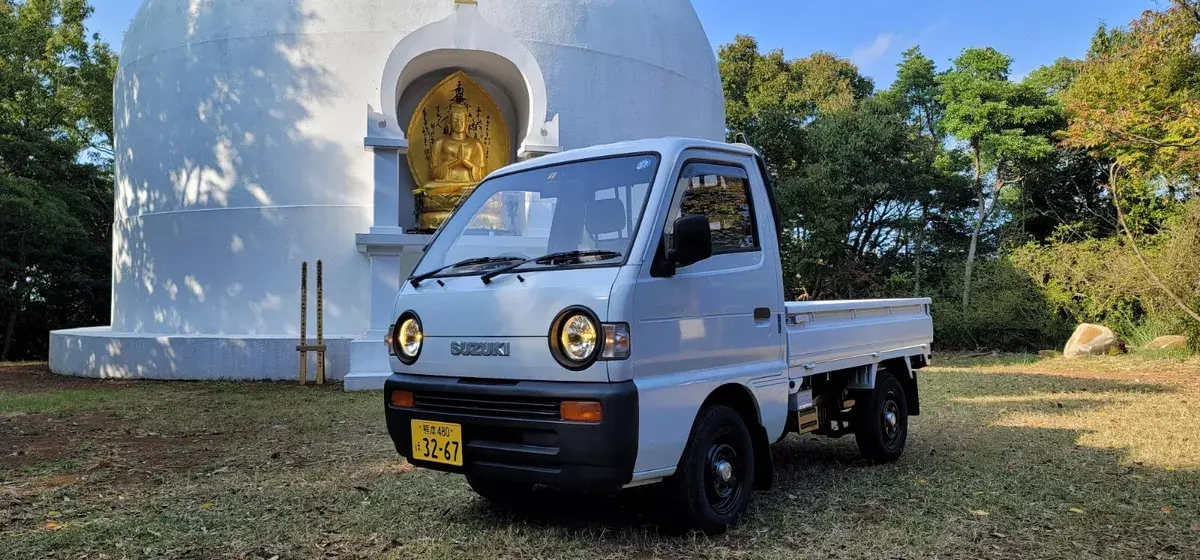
(254, 136)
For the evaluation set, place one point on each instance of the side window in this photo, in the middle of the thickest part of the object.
(722, 194)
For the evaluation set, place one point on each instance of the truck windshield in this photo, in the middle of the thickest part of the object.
(592, 205)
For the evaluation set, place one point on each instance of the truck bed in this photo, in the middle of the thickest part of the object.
(826, 336)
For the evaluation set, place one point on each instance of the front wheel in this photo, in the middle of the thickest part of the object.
(712, 486)
(881, 428)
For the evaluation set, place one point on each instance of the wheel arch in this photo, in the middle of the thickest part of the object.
(902, 370)
(741, 400)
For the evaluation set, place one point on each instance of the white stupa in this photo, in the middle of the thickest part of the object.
(252, 136)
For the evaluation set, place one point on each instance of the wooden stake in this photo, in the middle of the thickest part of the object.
(320, 325)
(303, 323)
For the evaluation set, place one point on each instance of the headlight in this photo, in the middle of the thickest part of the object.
(575, 338)
(408, 338)
(578, 338)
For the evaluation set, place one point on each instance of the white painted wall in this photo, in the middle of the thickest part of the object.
(240, 146)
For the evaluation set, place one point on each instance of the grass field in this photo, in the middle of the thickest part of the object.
(1013, 458)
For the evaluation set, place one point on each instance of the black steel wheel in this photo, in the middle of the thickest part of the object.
(881, 425)
(715, 478)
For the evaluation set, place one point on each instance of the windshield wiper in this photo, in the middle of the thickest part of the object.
(416, 280)
(550, 259)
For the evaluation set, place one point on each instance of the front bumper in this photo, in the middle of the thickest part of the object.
(511, 430)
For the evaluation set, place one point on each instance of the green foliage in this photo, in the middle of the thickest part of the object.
(918, 91)
(1136, 99)
(55, 210)
(1099, 280)
(855, 199)
(860, 176)
(1008, 312)
(1002, 125)
(887, 193)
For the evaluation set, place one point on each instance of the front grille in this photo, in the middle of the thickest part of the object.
(485, 405)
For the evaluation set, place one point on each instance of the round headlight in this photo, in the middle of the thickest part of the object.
(578, 338)
(408, 338)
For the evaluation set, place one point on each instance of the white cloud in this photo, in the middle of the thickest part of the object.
(867, 55)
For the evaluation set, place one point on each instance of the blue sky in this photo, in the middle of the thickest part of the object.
(871, 32)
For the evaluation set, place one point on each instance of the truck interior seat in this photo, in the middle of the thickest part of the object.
(604, 218)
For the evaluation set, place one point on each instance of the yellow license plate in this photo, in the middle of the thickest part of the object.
(437, 442)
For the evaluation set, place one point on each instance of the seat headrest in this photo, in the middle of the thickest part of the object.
(604, 216)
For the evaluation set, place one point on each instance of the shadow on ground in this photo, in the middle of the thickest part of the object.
(1001, 465)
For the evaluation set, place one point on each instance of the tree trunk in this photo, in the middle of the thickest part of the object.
(919, 248)
(9, 328)
(966, 295)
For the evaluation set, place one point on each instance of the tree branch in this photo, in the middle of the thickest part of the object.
(1112, 185)
(1189, 8)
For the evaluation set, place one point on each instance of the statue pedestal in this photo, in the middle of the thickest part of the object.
(394, 254)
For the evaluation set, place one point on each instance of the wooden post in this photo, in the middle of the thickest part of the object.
(303, 323)
(320, 324)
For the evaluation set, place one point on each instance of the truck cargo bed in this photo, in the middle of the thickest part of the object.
(826, 336)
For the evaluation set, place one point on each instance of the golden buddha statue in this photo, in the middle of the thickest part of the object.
(464, 138)
(456, 166)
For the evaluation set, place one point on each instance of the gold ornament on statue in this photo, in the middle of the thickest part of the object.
(457, 136)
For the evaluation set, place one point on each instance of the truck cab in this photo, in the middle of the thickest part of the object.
(615, 316)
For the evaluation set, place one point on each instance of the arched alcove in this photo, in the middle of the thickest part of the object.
(465, 41)
(497, 76)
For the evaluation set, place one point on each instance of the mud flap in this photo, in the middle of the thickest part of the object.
(764, 467)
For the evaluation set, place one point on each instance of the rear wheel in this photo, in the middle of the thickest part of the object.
(712, 486)
(499, 492)
(881, 428)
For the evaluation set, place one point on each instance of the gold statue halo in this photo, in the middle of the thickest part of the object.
(444, 162)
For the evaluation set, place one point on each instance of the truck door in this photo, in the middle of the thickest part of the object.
(715, 322)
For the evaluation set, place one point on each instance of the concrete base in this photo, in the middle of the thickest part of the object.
(370, 364)
(102, 353)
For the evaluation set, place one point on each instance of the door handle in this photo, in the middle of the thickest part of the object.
(762, 314)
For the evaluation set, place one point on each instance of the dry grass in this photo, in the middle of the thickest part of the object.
(1013, 458)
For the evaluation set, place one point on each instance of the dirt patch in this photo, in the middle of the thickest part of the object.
(93, 441)
(36, 378)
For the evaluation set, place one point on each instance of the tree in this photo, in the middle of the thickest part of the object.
(918, 93)
(1136, 98)
(1000, 124)
(55, 209)
(1136, 101)
(917, 87)
(771, 99)
(855, 196)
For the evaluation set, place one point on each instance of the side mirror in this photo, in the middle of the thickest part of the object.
(693, 241)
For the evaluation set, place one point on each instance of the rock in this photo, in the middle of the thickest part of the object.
(1168, 343)
(1049, 354)
(1093, 340)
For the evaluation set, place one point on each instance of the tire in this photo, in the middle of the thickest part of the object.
(881, 426)
(500, 492)
(712, 486)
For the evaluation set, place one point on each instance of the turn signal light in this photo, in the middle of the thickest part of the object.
(402, 399)
(590, 412)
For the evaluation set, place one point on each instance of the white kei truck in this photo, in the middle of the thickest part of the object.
(614, 317)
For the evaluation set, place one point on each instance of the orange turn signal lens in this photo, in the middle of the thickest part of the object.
(590, 412)
(402, 399)
(390, 340)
